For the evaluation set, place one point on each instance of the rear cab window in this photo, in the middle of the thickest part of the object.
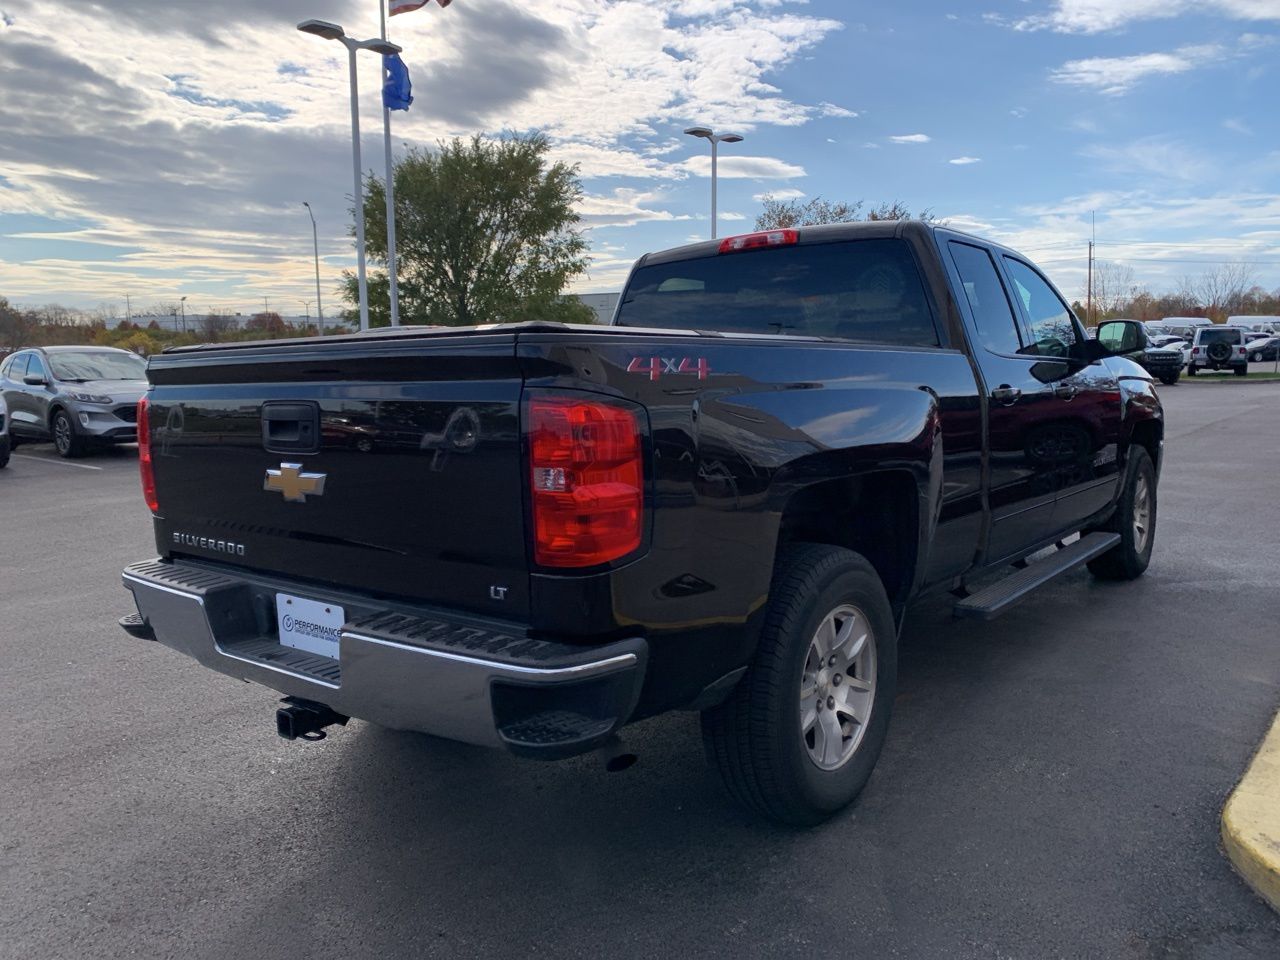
(863, 290)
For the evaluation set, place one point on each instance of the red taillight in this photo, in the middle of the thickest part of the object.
(586, 474)
(144, 455)
(755, 241)
(1195, 350)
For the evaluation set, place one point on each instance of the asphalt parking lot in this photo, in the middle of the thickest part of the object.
(1051, 785)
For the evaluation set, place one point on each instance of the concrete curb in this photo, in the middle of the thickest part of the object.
(1237, 381)
(1251, 820)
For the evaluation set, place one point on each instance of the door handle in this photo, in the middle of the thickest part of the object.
(1067, 391)
(1006, 394)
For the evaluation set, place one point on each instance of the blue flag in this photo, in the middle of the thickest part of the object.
(397, 91)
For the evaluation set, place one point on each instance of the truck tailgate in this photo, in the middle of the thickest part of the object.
(393, 470)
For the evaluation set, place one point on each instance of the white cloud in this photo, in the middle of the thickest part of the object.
(1198, 230)
(178, 145)
(964, 161)
(1097, 16)
(1117, 75)
(1236, 125)
(1153, 158)
(623, 207)
(786, 193)
(831, 110)
(912, 138)
(744, 168)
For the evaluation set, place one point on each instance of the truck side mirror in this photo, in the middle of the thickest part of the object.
(35, 381)
(1120, 337)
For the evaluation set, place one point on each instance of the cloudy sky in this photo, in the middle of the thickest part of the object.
(161, 148)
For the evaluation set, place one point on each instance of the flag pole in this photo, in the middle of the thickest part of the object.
(392, 280)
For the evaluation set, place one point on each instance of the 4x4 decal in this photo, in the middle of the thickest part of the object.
(657, 366)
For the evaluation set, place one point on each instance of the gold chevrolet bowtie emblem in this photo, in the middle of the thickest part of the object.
(293, 483)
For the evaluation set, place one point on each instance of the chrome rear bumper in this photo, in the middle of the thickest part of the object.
(451, 676)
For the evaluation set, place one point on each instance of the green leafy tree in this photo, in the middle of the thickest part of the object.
(784, 214)
(487, 232)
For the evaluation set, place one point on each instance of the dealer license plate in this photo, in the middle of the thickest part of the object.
(309, 624)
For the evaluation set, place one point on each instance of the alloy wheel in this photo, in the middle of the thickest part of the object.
(838, 687)
(62, 434)
(1141, 513)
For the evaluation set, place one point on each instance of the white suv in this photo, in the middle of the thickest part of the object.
(1219, 348)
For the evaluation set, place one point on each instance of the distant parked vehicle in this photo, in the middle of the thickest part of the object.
(1163, 363)
(1169, 342)
(1268, 349)
(4, 434)
(1268, 325)
(1185, 327)
(75, 397)
(1219, 348)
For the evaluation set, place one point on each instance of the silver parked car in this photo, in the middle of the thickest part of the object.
(4, 434)
(73, 396)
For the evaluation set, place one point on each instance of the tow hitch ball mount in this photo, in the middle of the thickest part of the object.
(299, 719)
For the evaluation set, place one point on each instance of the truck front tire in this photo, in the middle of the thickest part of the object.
(1134, 520)
(799, 736)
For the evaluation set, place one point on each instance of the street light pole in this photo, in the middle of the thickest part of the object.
(332, 31)
(706, 133)
(315, 240)
(392, 279)
(358, 191)
(182, 302)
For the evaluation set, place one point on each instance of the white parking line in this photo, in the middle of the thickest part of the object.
(61, 463)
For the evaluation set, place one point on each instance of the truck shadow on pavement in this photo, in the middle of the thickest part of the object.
(991, 799)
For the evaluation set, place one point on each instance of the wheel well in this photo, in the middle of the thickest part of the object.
(53, 412)
(874, 515)
(1147, 434)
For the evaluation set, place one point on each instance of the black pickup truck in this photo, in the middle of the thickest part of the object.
(526, 536)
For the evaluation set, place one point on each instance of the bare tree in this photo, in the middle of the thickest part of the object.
(1222, 291)
(1113, 288)
(784, 214)
(213, 325)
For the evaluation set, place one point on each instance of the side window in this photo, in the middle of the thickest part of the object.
(997, 328)
(1049, 320)
(35, 367)
(18, 367)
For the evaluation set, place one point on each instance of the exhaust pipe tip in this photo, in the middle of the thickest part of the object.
(615, 757)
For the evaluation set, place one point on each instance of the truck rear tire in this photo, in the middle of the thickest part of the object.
(799, 736)
(4, 452)
(1134, 520)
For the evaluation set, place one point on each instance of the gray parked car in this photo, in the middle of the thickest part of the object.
(73, 396)
(4, 434)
